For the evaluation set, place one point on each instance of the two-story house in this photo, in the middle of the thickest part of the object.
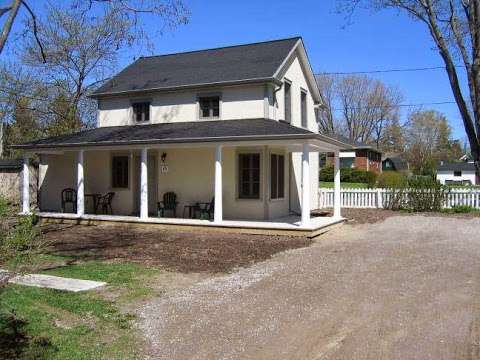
(233, 128)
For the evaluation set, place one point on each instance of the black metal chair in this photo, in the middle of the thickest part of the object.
(69, 196)
(105, 203)
(169, 203)
(206, 210)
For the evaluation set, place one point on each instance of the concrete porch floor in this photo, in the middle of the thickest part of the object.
(282, 226)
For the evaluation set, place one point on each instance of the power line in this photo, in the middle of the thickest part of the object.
(386, 70)
(400, 105)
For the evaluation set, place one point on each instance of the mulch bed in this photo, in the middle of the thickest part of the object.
(173, 250)
(370, 216)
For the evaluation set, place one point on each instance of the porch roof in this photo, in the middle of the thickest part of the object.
(182, 132)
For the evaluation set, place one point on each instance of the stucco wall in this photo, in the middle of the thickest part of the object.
(237, 102)
(443, 176)
(295, 74)
(190, 175)
(11, 185)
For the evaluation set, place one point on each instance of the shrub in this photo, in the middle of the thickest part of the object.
(462, 209)
(421, 194)
(349, 175)
(391, 179)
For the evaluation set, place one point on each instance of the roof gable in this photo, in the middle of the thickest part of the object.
(249, 62)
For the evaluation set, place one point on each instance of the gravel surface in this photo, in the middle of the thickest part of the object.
(405, 288)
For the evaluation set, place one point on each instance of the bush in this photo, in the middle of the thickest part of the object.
(421, 194)
(462, 209)
(391, 179)
(349, 175)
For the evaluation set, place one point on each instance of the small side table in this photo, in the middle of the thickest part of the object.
(191, 210)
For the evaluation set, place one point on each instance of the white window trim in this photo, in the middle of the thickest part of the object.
(304, 91)
(289, 82)
(260, 152)
(132, 113)
(220, 105)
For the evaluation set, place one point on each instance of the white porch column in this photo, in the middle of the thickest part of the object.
(80, 185)
(218, 210)
(144, 184)
(336, 192)
(26, 186)
(306, 185)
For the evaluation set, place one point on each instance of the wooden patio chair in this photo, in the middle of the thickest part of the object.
(206, 210)
(169, 203)
(69, 196)
(105, 203)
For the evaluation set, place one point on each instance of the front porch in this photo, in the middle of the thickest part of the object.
(282, 226)
(254, 184)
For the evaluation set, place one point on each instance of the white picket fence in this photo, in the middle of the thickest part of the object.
(376, 198)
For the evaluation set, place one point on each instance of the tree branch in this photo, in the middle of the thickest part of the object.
(35, 30)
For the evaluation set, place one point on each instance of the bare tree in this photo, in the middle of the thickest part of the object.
(454, 26)
(326, 112)
(365, 107)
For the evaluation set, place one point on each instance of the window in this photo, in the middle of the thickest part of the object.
(249, 176)
(141, 111)
(120, 172)
(277, 176)
(209, 107)
(303, 104)
(457, 173)
(288, 102)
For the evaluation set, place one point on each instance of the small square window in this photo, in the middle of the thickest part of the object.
(457, 173)
(141, 111)
(209, 107)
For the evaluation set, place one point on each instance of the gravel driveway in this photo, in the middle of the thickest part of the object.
(406, 288)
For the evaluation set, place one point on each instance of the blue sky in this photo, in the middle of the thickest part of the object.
(371, 41)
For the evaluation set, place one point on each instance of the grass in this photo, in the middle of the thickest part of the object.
(345, 185)
(51, 324)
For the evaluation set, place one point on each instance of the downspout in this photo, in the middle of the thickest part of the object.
(275, 102)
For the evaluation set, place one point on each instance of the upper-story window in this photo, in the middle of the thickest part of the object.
(457, 173)
(303, 109)
(209, 107)
(141, 111)
(288, 101)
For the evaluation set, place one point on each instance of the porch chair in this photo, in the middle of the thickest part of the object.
(105, 203)
(69, 196)
(206, 210)
(169, 203)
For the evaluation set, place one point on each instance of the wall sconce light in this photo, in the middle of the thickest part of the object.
(163, 157)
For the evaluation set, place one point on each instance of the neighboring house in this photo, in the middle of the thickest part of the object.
(234, 124)
(11, 180)
(459, 173)
(358, 156)
(394, 162)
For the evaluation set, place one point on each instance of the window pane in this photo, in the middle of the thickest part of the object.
(288, 107)
(120, 172)
(303, 100)
(248, 175)
(281, 176)
(273, 176)
(141, 111)
(209, 107)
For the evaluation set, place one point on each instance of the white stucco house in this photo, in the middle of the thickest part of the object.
(234, 126)
(459, 173)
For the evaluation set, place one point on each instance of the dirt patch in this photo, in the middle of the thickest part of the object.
(370, 216)
(173, 250)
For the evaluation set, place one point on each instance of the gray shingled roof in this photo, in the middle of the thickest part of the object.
(258, 61)
(179, 132)
(458, 166)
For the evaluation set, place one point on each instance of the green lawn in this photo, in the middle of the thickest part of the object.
(51, 324)
(345, 185)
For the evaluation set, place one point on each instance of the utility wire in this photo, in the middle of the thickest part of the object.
(386, 70)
